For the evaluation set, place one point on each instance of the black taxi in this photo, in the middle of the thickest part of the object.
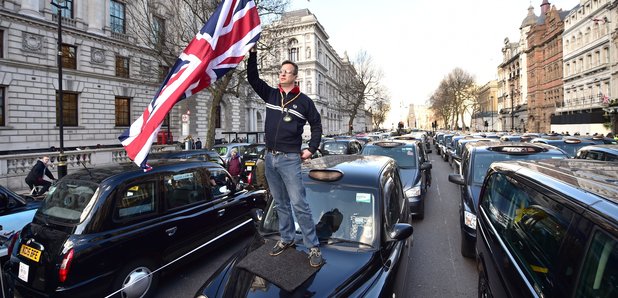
(475, 161)
(362, 222)
(549, 228)
(109, 230)
(414, 169)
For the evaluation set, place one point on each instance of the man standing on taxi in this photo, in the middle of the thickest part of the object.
(287, 111)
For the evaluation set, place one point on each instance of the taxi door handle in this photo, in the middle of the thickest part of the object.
(171, 231)
(221, 212)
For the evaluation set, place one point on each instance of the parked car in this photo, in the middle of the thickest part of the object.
(100, 230)
(598, 152)
(316, 154)
(200, 154)
(341, 146)
(414, 169)
(510, 138)
(570, 145)
(476, 159)
(363, 227)
(549, 229)
(15, 212)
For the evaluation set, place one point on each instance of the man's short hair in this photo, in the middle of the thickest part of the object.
(291, 63)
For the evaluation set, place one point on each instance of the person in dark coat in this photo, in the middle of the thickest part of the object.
(198, 144)
(234, 165)
(35, 177)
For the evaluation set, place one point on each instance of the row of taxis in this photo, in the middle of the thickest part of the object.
(539, 213)
(112, 231)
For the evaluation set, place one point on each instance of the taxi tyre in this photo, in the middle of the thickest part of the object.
(421, 211)
(468, 248)
(483, 287)
(137, 269)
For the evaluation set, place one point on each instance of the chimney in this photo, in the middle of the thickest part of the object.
(544, 7)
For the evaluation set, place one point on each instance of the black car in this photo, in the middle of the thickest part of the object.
(15, 212)
(549, 229)
(598, 152)
(475, 161)
(200, 154)
(341, 146)
(362, 223)
(570, 145)
(103, 230)
(414, 169)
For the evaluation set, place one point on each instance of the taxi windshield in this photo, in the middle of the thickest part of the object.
(222, 151)
(67, 200)
(335, 147)
(339, 212)
(483, 160)
(405, 156)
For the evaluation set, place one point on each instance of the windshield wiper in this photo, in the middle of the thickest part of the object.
(331, 240)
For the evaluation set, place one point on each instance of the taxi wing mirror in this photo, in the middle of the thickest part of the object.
(456, 178)
(257, 215)
(401, 231)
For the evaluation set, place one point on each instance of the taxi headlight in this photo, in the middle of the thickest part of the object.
(470, 220)
(413, 192)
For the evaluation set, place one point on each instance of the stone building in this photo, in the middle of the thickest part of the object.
(587, 69)
(487, 112)
(545, 86)
(110, 76)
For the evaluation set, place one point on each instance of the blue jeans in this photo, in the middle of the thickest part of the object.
(287, 188)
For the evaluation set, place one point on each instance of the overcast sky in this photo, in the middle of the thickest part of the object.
(417, 42)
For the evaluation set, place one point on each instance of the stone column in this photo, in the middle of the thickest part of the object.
(96, 16)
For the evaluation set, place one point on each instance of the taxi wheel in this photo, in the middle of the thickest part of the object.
(483, 287)
(138, 280)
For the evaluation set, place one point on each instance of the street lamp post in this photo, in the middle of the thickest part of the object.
(62, 159)
(512, 111)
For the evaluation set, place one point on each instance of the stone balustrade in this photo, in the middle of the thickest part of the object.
(14, 168)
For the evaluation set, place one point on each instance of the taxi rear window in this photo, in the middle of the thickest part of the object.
(483, 160)
(67, 200)
(405, 156)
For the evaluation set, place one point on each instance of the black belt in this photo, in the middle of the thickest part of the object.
(274, 152)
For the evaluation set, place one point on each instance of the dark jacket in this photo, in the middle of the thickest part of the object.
(37, 172)
(281, 135)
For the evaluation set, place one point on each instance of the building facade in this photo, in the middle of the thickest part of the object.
(110, 76)
(545, 86)
(486, 116)
(587, 69)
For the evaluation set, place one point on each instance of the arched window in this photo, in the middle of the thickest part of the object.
(293, 50)
(260, 121)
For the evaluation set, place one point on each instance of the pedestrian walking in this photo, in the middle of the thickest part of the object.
(198, 144)
(36, 174)
(287, 111)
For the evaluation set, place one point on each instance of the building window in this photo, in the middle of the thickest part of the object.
(66, 12)
(123, 111)
(293, 50)
(69, 56)
(122, 67)
(69, 109)
(158, 31)
(2, 107)
(218, 117)
(117, 16)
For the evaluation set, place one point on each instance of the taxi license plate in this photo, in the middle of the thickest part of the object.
(30, 253)
(249, 163)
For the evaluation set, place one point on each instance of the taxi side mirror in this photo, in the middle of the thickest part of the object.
(456, 178)
(257, 215)
(401, 231)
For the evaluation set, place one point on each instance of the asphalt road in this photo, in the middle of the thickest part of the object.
(438, 269)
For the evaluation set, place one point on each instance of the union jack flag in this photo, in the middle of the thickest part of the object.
(219, 47)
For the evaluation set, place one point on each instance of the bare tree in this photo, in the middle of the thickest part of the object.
(380, 108)
(181, 19)
(362, 88)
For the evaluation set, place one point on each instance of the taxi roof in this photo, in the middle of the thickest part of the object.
(362, 170)
(594, 183)
(99, 174)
